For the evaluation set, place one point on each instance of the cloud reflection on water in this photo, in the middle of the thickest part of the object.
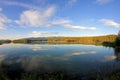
(37, 47)
(84, 52)
(55, 56)
(1, 57)
(108, 58)
(69, 55)
(45, 61)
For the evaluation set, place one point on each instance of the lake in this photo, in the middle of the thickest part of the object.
(65, 61)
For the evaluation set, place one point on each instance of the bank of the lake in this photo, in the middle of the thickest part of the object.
(95, 40)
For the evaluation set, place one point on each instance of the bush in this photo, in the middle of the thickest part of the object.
(117, 41)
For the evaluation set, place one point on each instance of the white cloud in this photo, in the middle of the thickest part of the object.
(0, 9)
(48, 12)
(110, 23)
(103, 1)
(79, 27)
(36, 18)
(1, 26)
(42, 34)
(71, 2)
(15, 3)
(31, 18)
(35, 34)
(67, 24)
(60, 22)
(3, 21)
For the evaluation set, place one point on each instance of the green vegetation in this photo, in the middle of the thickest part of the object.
(117, 41)
(112, 76)
(47, 76)
(108, 44)
(60, 76)
(4, 41)
(114, 44)
(3, 76)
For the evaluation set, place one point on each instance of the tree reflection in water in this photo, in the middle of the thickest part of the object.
(117, 53)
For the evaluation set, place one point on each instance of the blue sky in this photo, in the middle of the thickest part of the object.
(42, 18)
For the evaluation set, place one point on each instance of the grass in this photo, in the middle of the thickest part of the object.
(61, 76)
(112, 76)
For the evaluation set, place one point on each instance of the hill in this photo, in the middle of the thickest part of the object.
(69, 40)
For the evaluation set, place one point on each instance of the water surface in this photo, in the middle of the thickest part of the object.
(72, 59)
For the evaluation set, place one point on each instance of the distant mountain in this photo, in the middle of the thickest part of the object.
(37, 38)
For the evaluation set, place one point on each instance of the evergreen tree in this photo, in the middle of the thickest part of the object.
(117, 41)
(119, 33)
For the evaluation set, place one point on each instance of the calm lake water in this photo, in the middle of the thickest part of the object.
(73, 59)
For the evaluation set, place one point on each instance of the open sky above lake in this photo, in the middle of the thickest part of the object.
(43, 18)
